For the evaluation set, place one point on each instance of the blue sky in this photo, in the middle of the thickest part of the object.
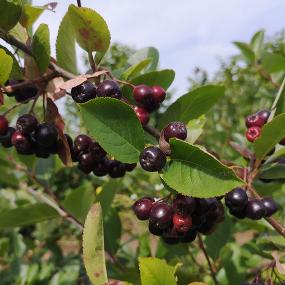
(188, 33)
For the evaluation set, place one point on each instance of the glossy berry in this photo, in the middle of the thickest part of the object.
(184, 204)
(142, 115)
(86, 162)
(182, 223)
(6, 139)
(190, 236)
(152, 159)
(255, 210)
(117, 169)
(161, 213)
(270, 206)
(142, 208)
(97, 151)
(26, 124)
(203, 206)
(154, 228)
(158, 94)
(82, 143)
(207, 228)
(237, 198)
(254, 121)
(238, 213)
(264, 115)
(46, 134)
(253, 133)
(102, 168)
(175, 130)
(143, 94)
(83, 92)
(22, 143)
(170, 236)
(109, 88)
(3, 125)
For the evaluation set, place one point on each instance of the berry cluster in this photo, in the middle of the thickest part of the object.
(241, 206)
(24, 94)
(181, 220)
(148, 99)
(29, 137)
(92, 157)
(254, 123)
(153, 158)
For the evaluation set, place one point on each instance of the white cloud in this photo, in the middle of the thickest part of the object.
(187, 32)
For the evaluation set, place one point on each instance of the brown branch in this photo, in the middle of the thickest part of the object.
(152, 131)
(202, 247)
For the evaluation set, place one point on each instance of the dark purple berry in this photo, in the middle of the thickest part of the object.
(102, 168)
(161, 213)
(109, 88)
(270, 206)
(142, 208)
(26, 124)
(170, 236)
(22, 143)
(190, 236)
(46, 135)
(83, 92)
(255, 210)
(237, 198)
(6, 139)
(82, 143)
(97, 151)
(254, 121)
(143, 94)
(152, 159)
(158, 94)
(238, 213)
(3, 125)
(117, 169)
(264, 115)
(86, 162)
(154, 228)
(184, 204)
(175, 130)
(130, 166)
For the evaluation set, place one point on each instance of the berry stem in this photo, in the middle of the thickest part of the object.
(92, 62)
(202, 247)
(152, 131)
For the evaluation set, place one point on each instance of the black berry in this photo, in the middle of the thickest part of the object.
(97, 151)
(152, 159)
(184, 204)
(6, 139)
(130, 166)
(190, 236)
(255, 210)
(46, 135)
(83, 92)
(142, 208)
(117, 169)
(22, 143)
(161, 213)
(26, 124)
(270, 206)
(237, 199)
(82, 143)
(86, 162)
(154, 228)
(109, 88)
(102, 168)
(175, 130)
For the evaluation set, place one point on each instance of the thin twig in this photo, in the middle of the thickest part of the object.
(11, 109)
(202, 247)
(152, 131)
(92, 62)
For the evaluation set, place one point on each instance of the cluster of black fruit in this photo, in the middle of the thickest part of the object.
(148, 98)
(181, 220)
(241, 206)
(23, 94)
(152, 158)
(29, 137)
(92, 157)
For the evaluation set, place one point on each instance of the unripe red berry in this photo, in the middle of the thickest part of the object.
(142, 115)
(253, 133)
(254, 121)
(159, 94)
(3, 125)
(182, 223)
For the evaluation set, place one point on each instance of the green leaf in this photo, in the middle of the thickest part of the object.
(142, 54)
(156, 271)
(194, 172)
(163, 78)
(41, 47)
(273, 62)
(115, 126)
(192, 105)
(10, 13)
(65, 45)
(93, 246)
(272, 133)
(195, 129)
(5, 66)
(30, 15)
(257, 41)
(246, 51)
(26, 215)
(91, 30)
(275, 171)
(79, 201)
(135, 69)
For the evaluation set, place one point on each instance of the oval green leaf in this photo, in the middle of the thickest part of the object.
(41, 47)
(273, 62)
(93, 246)
(91, 30)
(272, 133)
(5, 66)
(10, 13)
(115, 126)
(194, 172)
(192, 105)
